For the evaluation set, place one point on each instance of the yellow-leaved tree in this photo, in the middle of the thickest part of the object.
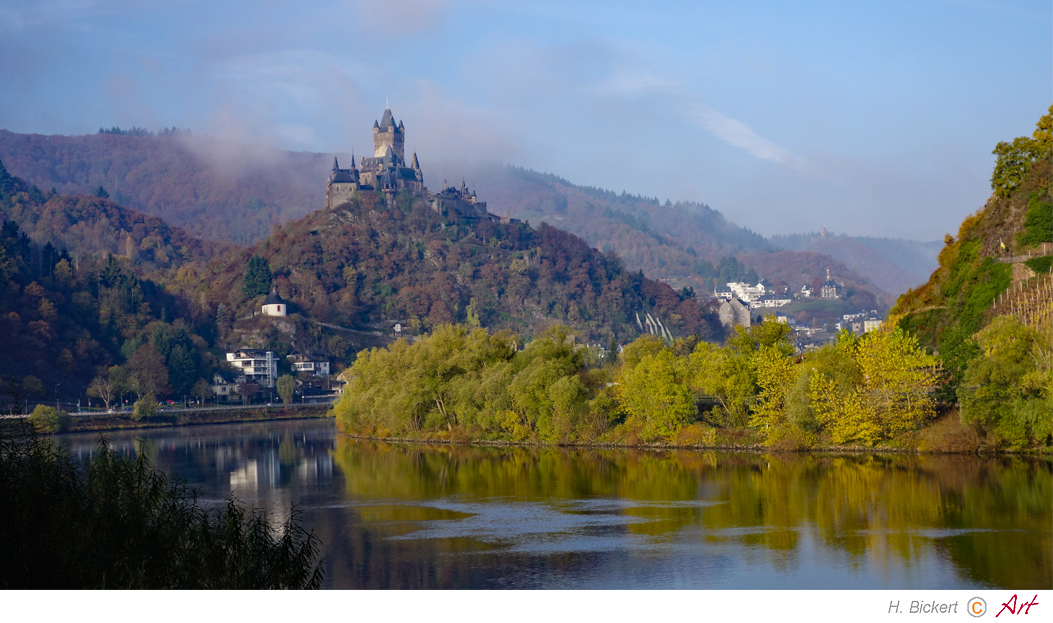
(890, 398)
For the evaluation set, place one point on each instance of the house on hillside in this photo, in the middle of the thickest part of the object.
(258, 366)
(746, 292)
(224, 387)
(312, 362)
(770, 300)
(831, 289)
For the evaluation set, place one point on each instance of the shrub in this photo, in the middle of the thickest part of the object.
(1040, 265)
(144, 407)
(116, 523)
(50, 420)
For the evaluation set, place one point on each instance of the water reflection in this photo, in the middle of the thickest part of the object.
(417, 516)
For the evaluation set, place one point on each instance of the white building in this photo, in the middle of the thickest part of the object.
(258, 366)
(770, 301)
(313, 362)
(746, 292)
(273, 305)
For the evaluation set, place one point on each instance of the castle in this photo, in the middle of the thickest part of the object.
(387, 173)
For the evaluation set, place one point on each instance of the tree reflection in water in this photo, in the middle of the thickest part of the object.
(431, 516)
(889, 518)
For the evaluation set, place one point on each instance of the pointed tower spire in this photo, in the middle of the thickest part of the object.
(352, 160)
(415, 164)
(336, 165)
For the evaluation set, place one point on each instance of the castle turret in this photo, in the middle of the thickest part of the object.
(387, 133)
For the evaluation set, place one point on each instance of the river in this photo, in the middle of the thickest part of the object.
(428, 516)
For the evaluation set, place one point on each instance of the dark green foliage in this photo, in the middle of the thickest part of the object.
(1040, 265)
(182, 370)
(1038, 223)
(101, 193)
(115, 523)
(133, 131)
(257, 278)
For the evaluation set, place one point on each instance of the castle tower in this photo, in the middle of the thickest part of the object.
(386, 133)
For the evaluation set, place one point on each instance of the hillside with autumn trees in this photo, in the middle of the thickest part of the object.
(987, 310)
(224, 191)
(82, 296)
(365, 264)
(96, 293)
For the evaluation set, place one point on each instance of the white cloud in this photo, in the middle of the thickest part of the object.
(738, 134)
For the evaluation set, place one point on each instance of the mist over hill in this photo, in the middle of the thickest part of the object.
(894, 265)
(224, 191)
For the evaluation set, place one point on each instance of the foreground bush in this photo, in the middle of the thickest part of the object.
(116, 523)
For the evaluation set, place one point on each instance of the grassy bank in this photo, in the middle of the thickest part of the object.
(944, 434)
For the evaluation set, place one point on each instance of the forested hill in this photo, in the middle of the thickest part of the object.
(214, 190)
(80, 293)
(366, 264)
(894, 265)
(223, 191)
(90, 227)
(988, 307)
(90, 289)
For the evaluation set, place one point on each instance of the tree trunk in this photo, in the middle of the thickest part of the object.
(442, 409)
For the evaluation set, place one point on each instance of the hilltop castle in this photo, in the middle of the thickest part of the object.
(387, 173)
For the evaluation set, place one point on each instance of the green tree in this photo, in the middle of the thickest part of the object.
(1014, 159)
(890, 397)
(114, 522)
(182, 370)
(47, 419)
(1008, 388)
(257, 277)
(656, 393)
(286, 387)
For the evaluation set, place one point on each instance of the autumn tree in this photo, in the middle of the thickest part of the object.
(147, 372)
(891, 397)
(656, 393)
(201, 390)
(286, 387)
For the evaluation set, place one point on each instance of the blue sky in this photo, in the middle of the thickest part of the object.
(868, 118)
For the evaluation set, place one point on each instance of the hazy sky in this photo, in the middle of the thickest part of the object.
(870, 118)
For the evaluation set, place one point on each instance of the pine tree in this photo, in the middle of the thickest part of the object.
(257, 277)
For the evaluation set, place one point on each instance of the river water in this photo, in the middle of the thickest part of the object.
(424, 516)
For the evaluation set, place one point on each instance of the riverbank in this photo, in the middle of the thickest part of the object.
(259, 413)
(945, 435)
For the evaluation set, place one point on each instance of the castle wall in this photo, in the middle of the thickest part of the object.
(338, 194)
